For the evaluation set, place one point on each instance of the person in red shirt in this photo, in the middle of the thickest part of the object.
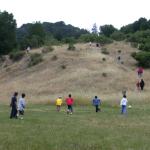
(69, 102)
(140, 71)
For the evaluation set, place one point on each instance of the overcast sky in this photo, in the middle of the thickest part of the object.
(80, 13)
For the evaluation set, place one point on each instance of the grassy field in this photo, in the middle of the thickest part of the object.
(45, 129)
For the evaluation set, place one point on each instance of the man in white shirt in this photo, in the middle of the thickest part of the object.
(21, 105)
(123, 104)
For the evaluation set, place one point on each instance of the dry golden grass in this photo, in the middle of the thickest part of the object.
(83, 76)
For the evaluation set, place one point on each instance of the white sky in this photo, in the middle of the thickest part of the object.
(80, 13)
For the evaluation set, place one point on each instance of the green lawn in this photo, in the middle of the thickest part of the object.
(45, 129)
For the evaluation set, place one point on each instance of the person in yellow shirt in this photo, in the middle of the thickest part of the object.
(58, 103)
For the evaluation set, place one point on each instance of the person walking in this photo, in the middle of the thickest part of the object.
(13, 106)
(142, 84)
(58, 103)
(96, 102)
(69, 102)
(123, 104)
(21, 105)
(140, 71)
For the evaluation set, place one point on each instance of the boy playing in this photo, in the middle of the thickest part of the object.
(96, 103)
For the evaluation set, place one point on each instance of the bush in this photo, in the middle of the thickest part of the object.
(143, 58)
(47, 49)
(118, 36)
(63, 66)
(103, 59)
(16, 55)
(54, 58)
(2, 58)
(71, 47)
(104, 51)
(104, 74)
(35, 59)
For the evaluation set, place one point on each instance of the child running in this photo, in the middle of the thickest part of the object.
(96, 103)
(69, 102)
(58, 103)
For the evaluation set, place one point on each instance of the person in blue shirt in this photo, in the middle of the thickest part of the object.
(96, 103)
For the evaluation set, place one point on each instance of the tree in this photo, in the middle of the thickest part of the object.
(107, 30)
(94, 29)
(7, 33)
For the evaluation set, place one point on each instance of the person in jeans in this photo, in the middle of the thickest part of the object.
(123, 104)
(96, 103)
(13, 106)
(69, 102)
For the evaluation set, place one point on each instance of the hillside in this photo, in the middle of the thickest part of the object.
(85, 75)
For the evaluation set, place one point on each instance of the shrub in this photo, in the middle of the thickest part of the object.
(2, 58)
(35, 59)
(143, 58)
(63, 66)
(47, 49)
(119, 51)
(118, 36)
(54, 57)
(16, 55)
(104, 51)
(104, 74)
(103, 59)
(71, 47)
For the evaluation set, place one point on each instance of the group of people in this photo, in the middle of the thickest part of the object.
(17, 108)
(95, 101)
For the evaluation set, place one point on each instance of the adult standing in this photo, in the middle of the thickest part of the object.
(13, 106)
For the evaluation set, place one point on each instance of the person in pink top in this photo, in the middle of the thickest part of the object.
(140, 72)
(69, 102)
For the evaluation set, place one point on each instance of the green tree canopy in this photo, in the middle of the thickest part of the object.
(7, 32)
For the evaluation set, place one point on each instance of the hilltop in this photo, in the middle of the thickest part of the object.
(84, 72)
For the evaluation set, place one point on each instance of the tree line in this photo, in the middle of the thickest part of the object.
(37, 34)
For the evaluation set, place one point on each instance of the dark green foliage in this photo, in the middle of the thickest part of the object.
(143, 58)
(141, 24)
(71, 47)
(107, 30)
(118, 36)
(103, 59)
(16, 55)
(104, 74)
(35, 59)
(7, 33)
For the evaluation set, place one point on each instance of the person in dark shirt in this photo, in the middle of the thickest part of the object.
(142, 84)
(13, 106)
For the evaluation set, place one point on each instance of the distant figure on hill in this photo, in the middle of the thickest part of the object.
(69, 102)
(90, 43)
(140, 71)
(28, 49)
(13, 106)
(142, 84)
(96, 102)
(58, 103)
(123, 104)
(21, 105)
